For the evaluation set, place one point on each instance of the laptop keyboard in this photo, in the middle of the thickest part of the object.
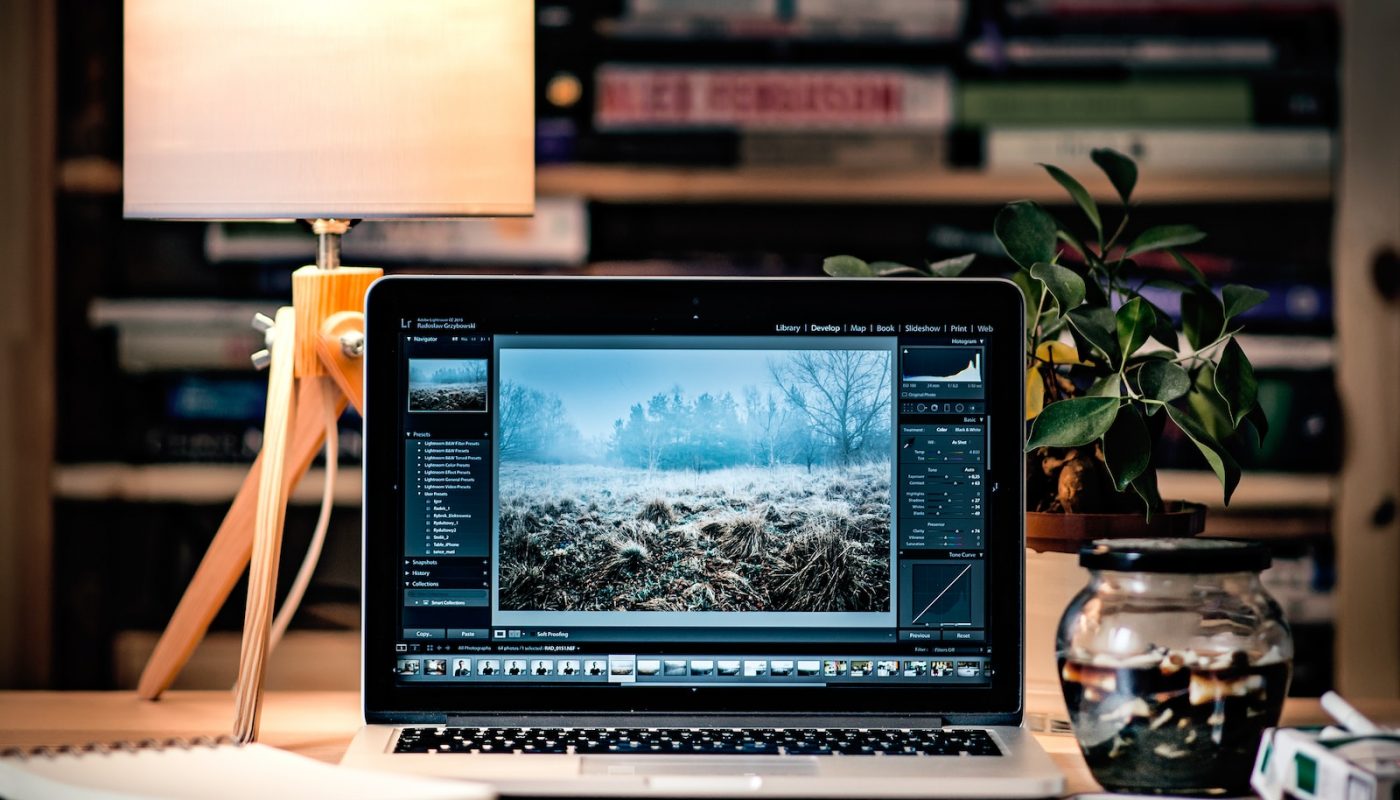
(721, 741)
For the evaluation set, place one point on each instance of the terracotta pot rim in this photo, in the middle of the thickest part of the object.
(1066, 533)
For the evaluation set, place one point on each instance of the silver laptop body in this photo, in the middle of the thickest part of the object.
(697, 537)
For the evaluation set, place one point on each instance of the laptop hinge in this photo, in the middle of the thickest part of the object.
(694, 720)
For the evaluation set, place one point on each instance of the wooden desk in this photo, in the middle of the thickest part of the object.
(320, 724)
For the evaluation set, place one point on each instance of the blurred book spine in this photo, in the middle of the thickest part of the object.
(758, 9)
(1174, 150)
(826, 20)
(658, 97)
(1135, 52)
(842, 150)
(1134, 102)
(1162, 7)
(156, 335)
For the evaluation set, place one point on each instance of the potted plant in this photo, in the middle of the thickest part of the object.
(1106, 372)
(1106, 369)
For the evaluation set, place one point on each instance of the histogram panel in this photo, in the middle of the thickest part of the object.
(943, 364)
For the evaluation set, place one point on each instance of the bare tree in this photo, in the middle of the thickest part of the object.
(767, 418)
(514, 413)
(843, 394)
(529, 422)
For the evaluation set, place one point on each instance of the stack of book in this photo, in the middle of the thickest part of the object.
(185, 387)
(1207, 87)
(1214, 87)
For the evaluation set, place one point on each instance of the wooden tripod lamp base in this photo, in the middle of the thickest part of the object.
(323, 357)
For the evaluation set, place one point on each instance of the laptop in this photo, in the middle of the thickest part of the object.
(696, 537)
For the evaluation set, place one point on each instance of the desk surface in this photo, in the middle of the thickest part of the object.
(320, 724)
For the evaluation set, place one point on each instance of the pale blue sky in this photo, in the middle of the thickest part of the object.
(600, 386)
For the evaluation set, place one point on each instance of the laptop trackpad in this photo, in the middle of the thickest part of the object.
(699, 765)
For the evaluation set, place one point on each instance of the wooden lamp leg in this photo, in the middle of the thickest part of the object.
(267, 534)
(330, 330)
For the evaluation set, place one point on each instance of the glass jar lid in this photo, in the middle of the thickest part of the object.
(1177, 556)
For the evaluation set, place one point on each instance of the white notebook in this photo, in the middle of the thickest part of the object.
(178, 769)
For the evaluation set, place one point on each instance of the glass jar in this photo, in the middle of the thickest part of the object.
(1173, 661)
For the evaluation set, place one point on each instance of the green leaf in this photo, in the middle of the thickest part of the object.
(1209, 409)
(1120, 169)
(846, 267)
(1239, 299)
(1107, 386)
(1164, 237)
(1027, 232)
(1063, 283)
(1134, 323)
(1235, 382)
(1099, 328)
(1221, 462)
(1073, 422)
(1162, 329)
(1031, 291)
(1260, 422)
(1127, 450)
(1211, 413)
(1202, 318)
(1080, 194)
(1162, 380)
(1146, 488)
(887, 269)
(952, 267)
(1191, 269)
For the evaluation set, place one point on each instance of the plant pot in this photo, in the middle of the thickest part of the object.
(1066, 533)
(1054, 577)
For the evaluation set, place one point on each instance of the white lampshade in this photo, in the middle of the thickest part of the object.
(274, 109)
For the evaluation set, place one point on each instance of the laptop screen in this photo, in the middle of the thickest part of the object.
(776, 502)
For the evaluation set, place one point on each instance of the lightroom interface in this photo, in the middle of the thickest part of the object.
(800, 507)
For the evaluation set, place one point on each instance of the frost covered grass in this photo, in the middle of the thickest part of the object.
(448, 397)
(596, 538)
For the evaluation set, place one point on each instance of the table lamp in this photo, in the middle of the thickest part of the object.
(328, 111)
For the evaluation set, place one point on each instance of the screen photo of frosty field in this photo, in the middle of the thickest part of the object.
(694, 480)
(447, 384)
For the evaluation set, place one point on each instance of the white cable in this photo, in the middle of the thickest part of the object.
(318, 537)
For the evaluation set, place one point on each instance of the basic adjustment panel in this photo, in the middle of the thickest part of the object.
(940, 486)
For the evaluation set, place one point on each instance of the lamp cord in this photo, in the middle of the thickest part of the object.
(318, 537)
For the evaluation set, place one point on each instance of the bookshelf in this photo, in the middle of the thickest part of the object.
(625, 183)
(646, 184)
(190, 484)
(645, 215)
